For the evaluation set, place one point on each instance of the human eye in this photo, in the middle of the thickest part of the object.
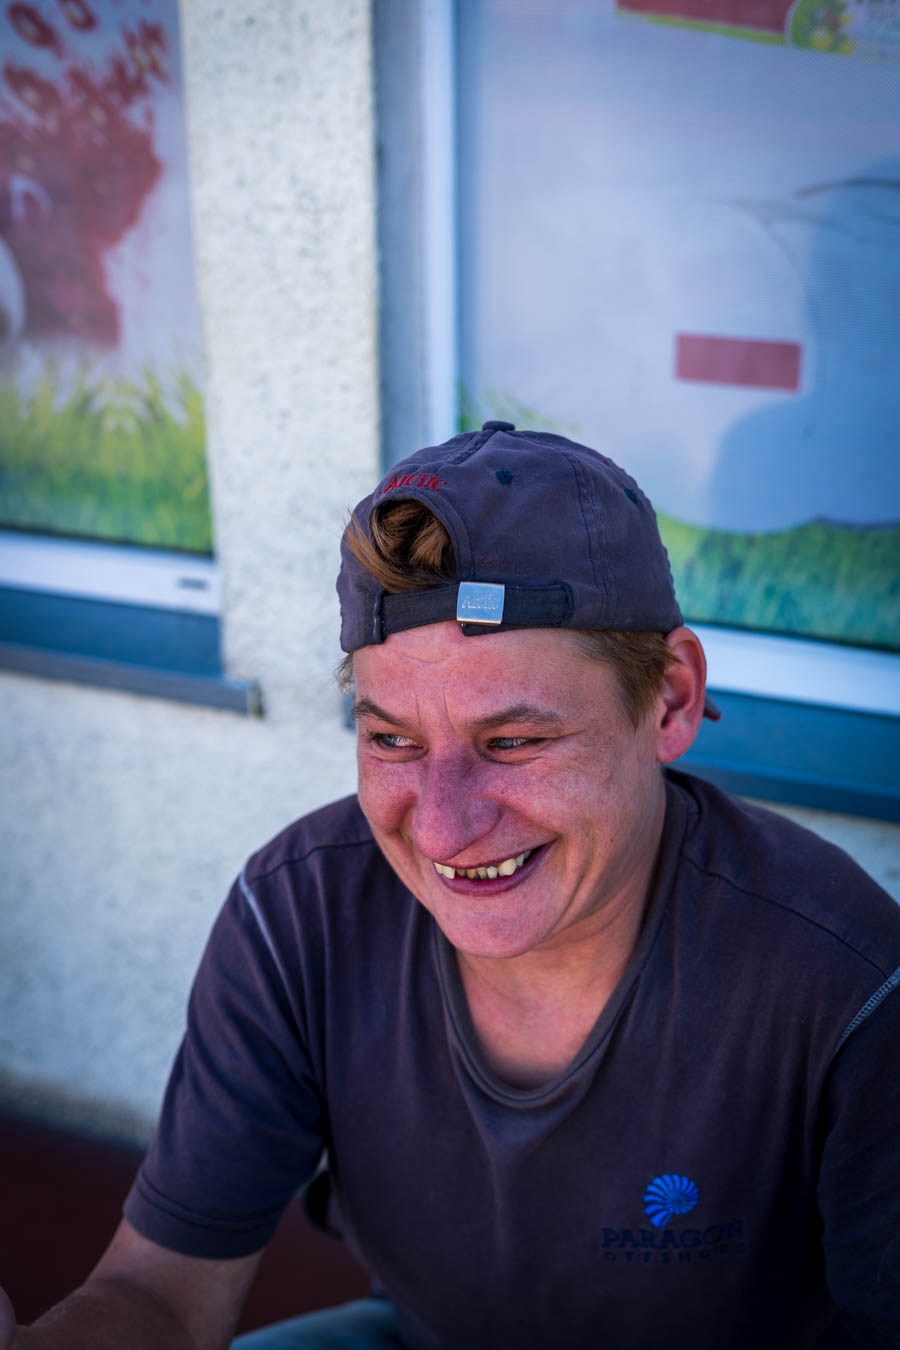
(390, 740)
(509, 745)
(509, 742)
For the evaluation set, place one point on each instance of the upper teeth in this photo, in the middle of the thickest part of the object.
(503, 869)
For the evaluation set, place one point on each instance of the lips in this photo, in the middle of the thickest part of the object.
(506, 868)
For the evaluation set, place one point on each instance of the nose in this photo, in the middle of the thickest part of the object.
(453, 808)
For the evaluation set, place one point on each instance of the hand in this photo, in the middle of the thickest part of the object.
(9, 1336)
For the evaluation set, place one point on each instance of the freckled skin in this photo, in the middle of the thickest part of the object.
(445, 776)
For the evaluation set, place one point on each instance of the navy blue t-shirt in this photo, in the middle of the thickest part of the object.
(719, 1165)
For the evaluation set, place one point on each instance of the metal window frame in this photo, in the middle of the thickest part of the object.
(117, 617)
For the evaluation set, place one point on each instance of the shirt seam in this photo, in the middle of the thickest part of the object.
(871, 1005)
(184, 1214)
(267, 872)
(253, 906)
(787, 909)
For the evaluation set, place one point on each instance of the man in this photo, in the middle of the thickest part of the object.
(597, 1055)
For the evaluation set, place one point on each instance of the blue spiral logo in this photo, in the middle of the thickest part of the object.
(668, 1196)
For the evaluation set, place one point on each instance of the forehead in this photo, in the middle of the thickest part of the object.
(497, 669)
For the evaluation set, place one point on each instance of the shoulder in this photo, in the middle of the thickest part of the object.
(337, 834)
(310, 904)
(320, 883)
(771, 866)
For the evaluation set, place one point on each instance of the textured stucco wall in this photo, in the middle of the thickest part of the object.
(124, 819)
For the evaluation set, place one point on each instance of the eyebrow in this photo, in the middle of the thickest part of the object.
(530, 713)
(364, 707)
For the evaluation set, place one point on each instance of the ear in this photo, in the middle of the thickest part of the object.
(684, 689)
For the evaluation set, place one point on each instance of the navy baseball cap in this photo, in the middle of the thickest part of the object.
(545, 533)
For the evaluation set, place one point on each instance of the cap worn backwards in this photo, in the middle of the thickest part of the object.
(545, 533)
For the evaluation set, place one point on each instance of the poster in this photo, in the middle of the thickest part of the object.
(102, 431)
(684, 250)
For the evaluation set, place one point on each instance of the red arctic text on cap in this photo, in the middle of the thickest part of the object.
(419, 480)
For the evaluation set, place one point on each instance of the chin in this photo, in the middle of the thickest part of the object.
(492, 937)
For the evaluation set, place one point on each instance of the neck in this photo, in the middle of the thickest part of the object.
(532, 1013)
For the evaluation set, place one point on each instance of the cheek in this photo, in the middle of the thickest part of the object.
(386, 794)
(573, 796)
(594, 803)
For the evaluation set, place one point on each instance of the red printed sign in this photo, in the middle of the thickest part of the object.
(752, 362)
(769, 16)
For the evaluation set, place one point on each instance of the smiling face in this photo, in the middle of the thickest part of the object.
(506, 786)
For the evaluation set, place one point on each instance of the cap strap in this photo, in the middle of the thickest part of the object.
(523, 607)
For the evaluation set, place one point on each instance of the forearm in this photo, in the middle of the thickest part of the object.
(142, 1297)
(106, 1314)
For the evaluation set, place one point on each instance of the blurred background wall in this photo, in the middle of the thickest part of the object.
(125, 818)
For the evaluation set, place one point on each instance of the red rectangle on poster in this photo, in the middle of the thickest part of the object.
(768, 15)
(752, 362)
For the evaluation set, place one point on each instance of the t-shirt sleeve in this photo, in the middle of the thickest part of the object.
(242, 1124)
(859, 1192)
